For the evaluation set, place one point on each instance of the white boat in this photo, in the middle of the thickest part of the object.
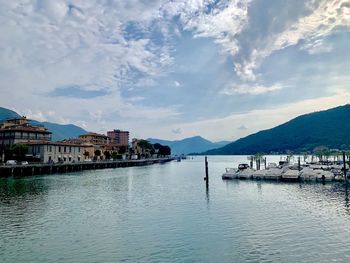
(231, 173)
(312, 174)
(245, 174)
(242, 172)
(290, 173)
(273, 173)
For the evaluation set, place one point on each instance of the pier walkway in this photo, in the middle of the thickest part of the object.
(41, 169)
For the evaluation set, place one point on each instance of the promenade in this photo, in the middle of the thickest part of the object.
(40, 169)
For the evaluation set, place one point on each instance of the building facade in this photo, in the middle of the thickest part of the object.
(94, 138)
(118, 137)
(55, 152)
(18, 130)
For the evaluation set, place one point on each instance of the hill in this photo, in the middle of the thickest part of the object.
(59, 131)
(330, 128)
(195, 144)
(7, 114)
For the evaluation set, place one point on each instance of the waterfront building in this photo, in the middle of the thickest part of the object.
(56, 152)
(94, 138)
(141, 148)
(118, 137)
(18, 130)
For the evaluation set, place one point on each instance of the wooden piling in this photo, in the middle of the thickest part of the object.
(206, 178)
(344, 162)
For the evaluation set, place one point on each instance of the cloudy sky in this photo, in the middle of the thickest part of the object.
(172, 69)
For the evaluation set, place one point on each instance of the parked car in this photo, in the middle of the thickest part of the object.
(11, 162)
(24, 163)
(87, 160)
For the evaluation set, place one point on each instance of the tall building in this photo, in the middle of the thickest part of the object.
(18, 130)
(118, 137)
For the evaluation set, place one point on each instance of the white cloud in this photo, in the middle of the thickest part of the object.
(323, 21)
(259, 119)
(250, 89)
(125, 47)
(177, 84)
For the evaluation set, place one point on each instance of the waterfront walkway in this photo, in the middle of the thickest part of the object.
(38, 169)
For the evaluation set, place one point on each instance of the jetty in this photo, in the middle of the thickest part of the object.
(290, 173)
(59, 168)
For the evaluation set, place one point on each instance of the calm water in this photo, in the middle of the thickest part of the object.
(162, 213)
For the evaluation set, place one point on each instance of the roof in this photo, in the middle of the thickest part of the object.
(51, 143)
(93, 134)
(26, 129)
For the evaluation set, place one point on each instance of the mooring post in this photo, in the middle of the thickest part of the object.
(206, 178)
(344, 161)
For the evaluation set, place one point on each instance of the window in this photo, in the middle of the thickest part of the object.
(59, 149)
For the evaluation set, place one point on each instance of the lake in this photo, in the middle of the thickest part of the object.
(163, 213)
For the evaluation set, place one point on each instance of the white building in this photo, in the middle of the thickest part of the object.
(55, 151)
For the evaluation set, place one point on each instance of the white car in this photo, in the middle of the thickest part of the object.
(24, 163)
(11, 162)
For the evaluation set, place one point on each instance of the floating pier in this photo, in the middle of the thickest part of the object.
(287, 174)
(41, 169)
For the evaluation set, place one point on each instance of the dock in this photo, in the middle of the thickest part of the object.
(59, 168)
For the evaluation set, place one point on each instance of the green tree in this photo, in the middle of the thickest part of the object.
(122, 149)
(322, 153)
(114, 155)
(86, 154)
(17, 152)
(107, 154)
(97, 153)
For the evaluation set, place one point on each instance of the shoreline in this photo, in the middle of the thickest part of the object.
(59, 168)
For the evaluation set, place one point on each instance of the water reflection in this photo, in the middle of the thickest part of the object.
(347, 196)
(207, 196)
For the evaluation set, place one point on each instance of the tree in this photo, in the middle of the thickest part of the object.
(107, 154)
(17, 152)
(321, 152)
(97, 153)
(86, 154)
(114, 155)
(144, 144)
(163, 150)
(122, 149)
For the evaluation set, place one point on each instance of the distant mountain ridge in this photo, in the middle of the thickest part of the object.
(330, 128)
(7, 114)
(195, 144)
(59, 131)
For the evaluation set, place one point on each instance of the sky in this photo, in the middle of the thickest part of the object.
(172, 69)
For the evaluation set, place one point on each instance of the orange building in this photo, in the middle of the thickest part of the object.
(94, 138)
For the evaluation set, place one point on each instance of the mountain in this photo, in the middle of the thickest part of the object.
(330, 128)
(7, 114)
(195, 144)
(59, 131)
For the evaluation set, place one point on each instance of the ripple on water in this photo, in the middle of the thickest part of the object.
(162, 213)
